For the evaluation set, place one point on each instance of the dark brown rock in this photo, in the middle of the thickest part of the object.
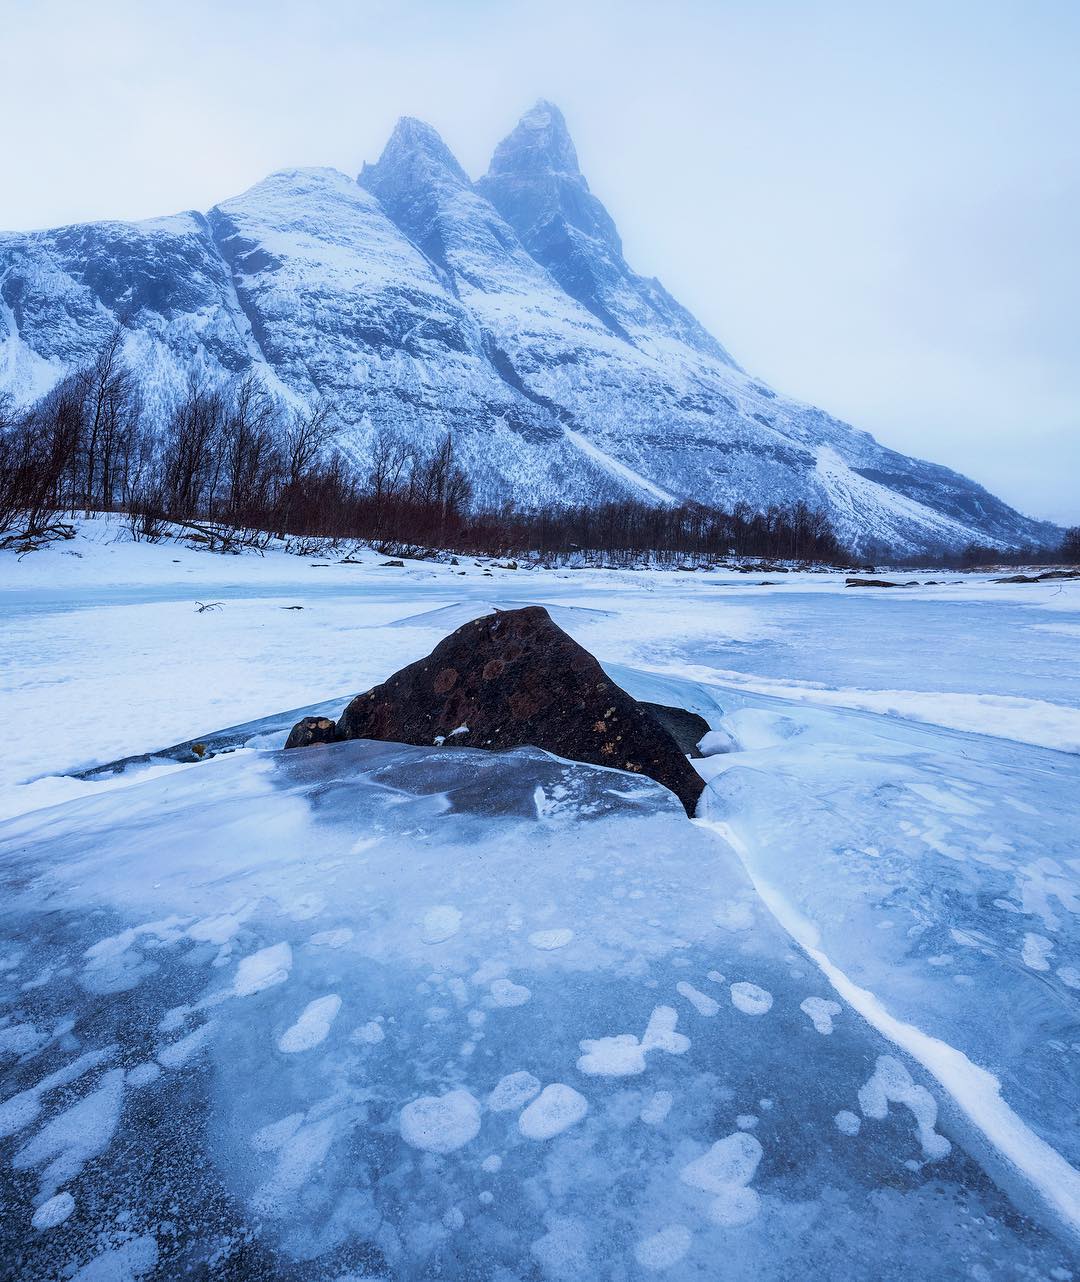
(686, 728)
(875, 583)
(515, 678)
(311, 730)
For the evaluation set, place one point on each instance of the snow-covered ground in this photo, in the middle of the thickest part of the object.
(371, 1011)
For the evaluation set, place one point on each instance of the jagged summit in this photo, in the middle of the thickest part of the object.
(535, 183)
(539, 144)
(416, 146)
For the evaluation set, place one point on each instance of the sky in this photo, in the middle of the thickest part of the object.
(872, 205)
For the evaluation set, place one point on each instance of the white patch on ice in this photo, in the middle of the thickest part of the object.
(725, 1170)
(440, 924)
(371, 1032)
(18, 1111)
(492, 1164)
(703, 1004)
(822, 1012)
(715, 976)
(506, 993)
(21, 1039)
(143, 1074)
(746, 1121)
(217, 930)
(733, 916)
(750, 999)
(847, 1123)
(624, 1056)
(1069, 976)
(663, 1249)
(313, 1025)
(298, 1157)
(264, 969)
(554, 1110)
(331, 938)
(513, 1091)
(656, 1108)
(1036, 950)
(70, 1139)
(550, 939)
(53, 1212)
(892, 1083)
(124, 1264)
(269, 1138)
(178, 1053)
(441, 1123)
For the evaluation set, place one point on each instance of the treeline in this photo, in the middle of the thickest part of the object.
(236, 466)
(976, 555)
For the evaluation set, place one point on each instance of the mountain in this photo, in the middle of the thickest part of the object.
(419, 302)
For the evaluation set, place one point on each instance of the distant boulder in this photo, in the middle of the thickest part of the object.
(515, 678)
(875, 583)
(311, 730)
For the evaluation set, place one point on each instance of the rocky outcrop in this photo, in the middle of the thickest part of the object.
(311, 730)
(515, 678)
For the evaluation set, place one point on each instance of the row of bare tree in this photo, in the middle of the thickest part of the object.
(237, 465)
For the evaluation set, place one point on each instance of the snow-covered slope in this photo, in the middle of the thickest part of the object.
(419, 302)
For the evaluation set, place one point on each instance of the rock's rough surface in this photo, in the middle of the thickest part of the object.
(311, 730)
(685, 727)
(516, 678)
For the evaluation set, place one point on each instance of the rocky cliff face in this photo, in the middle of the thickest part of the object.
(419, 303)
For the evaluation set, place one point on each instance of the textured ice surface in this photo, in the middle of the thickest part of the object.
(331, 1083)
(172, 953)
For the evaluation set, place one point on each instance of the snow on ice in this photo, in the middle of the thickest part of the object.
(375, 1012)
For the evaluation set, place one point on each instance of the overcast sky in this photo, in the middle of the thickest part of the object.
(874, 206)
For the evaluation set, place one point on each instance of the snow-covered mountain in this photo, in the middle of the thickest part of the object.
(420, 302)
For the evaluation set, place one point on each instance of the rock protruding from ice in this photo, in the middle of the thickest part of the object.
(309, 731)
(554, 1110)
(441, 1123)
(515, 678)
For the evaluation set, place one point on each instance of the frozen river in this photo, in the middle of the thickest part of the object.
(383, 1012)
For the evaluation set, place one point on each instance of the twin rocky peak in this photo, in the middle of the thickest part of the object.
(419, 304)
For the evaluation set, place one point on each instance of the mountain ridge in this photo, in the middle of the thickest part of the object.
(420, 302)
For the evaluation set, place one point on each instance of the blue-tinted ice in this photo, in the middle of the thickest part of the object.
(380, 1012)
